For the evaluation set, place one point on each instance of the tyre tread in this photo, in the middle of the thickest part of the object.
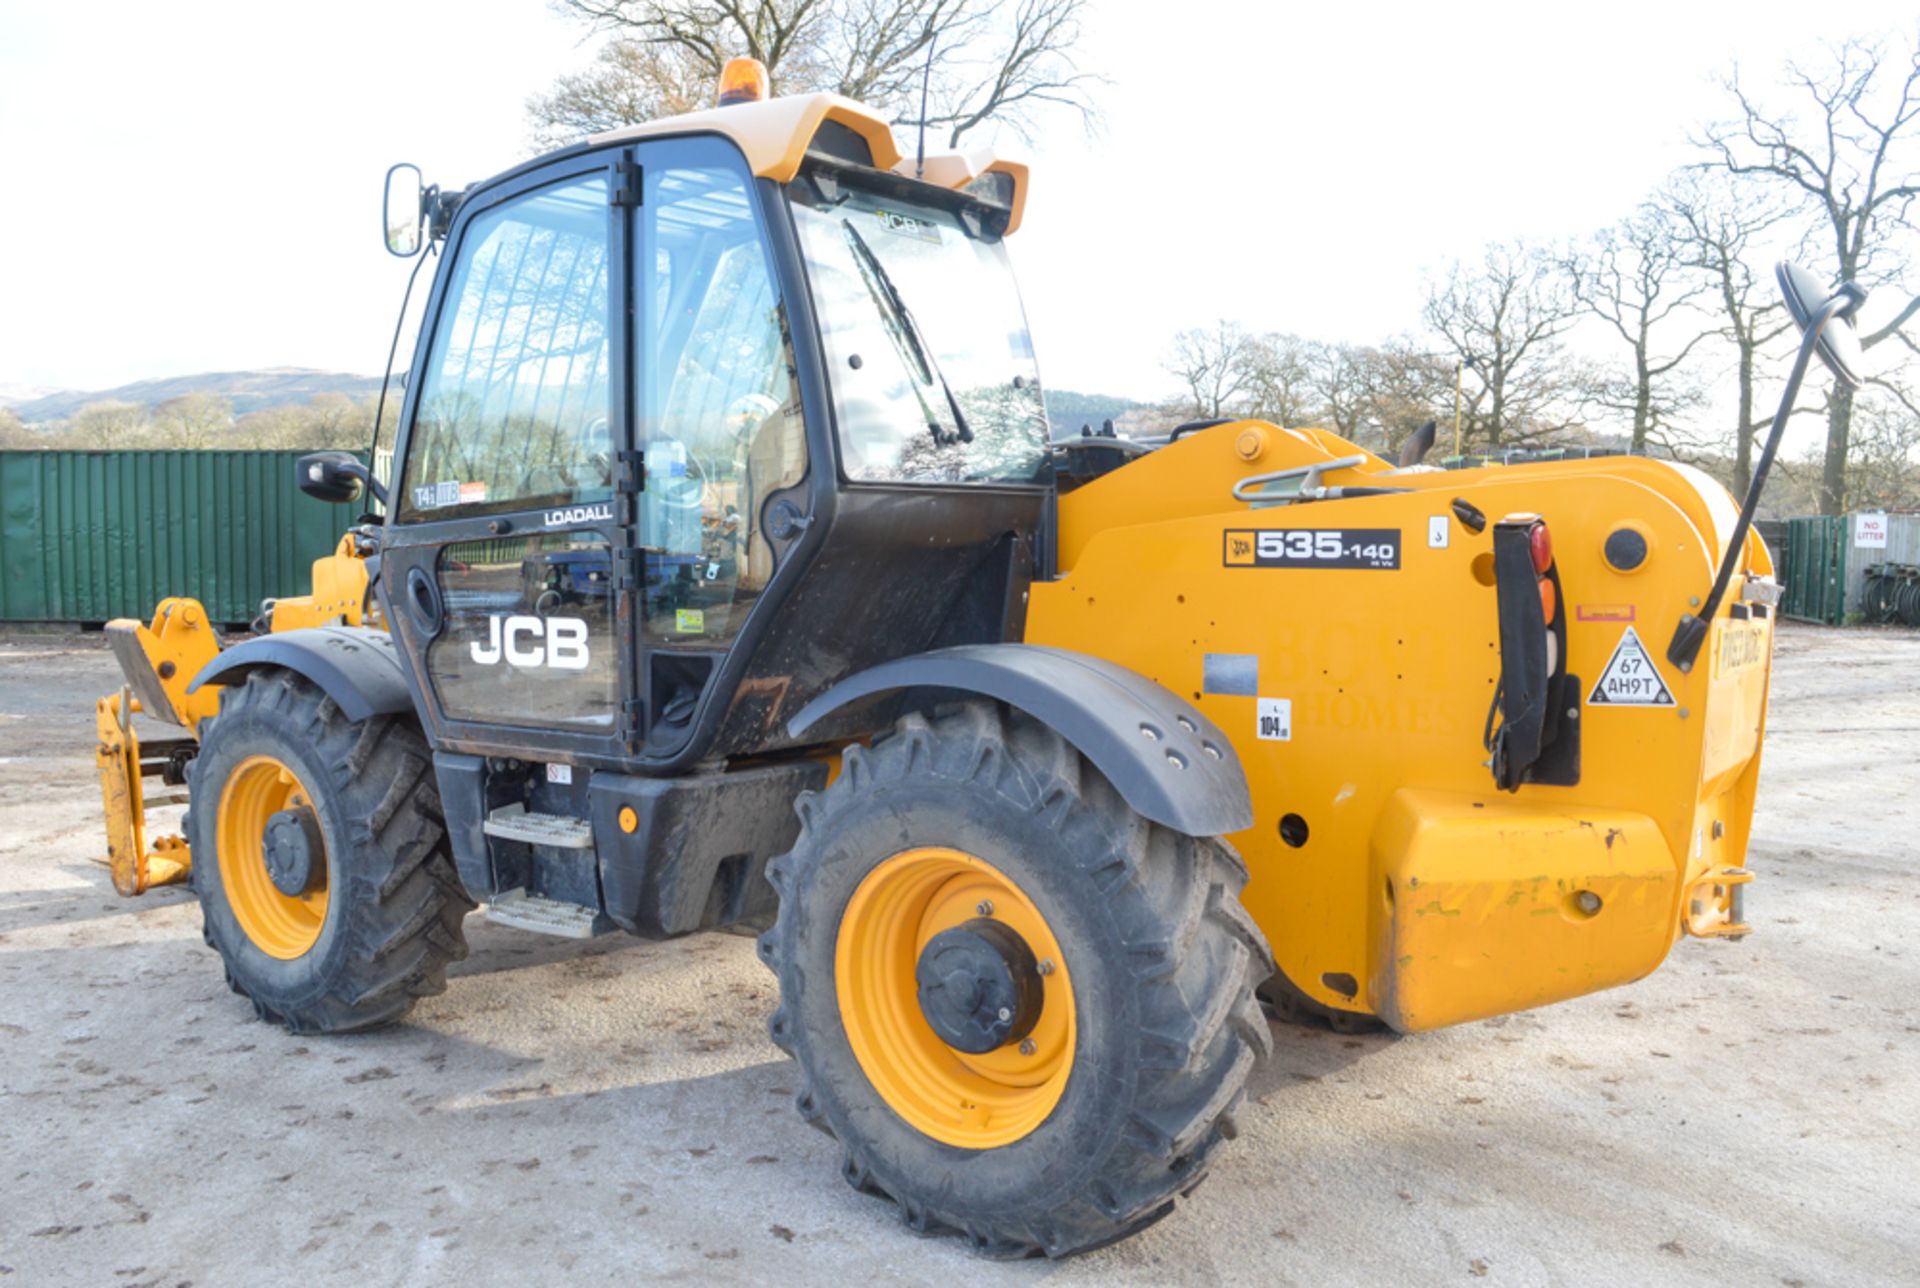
(1199, 956)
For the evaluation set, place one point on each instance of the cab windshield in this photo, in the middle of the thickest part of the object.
(933, 374)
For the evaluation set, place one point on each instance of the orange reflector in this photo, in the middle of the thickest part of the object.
(1549, 602)
(743, 80)
(1540, 542)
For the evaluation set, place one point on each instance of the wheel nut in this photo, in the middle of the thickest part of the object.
(1589, 902)
(1045, 967)
(1006, 1014)
(984, 907)
(1026, 1046)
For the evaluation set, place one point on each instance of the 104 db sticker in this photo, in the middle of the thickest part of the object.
(1313, 548)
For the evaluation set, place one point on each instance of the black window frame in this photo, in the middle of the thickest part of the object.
(431, 534)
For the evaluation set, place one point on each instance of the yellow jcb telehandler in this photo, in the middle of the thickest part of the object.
(730, 576)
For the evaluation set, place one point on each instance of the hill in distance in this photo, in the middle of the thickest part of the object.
(13, 395)
(246, 390)
(1068, 411)
(280, 386)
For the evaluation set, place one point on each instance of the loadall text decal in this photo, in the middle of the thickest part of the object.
(602, 513)
(558, 642)
(1313, 548)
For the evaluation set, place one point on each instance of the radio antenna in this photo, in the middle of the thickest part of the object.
(926, 78)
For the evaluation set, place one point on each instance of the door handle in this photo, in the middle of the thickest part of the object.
(423, 602)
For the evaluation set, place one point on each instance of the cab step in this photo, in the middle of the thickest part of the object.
(545, 916)
(561, 831)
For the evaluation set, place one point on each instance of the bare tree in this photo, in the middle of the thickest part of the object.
(986, 60)
(1406, 386)
(1339, 380)
(1504, 317)
(14, 435)
(194, 421)
(1856, 162)
(1718, 223)
(1636, 278)
(325, 420)
(1883, 471)
(1212, 364)
(630, 80)
(108, 425)
(1278, 379)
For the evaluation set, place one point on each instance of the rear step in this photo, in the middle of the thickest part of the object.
(514, 823)
(545, 916)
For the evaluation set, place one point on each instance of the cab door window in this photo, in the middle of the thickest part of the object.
(719, 418)
(515, 403)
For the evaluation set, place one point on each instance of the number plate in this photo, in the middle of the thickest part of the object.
(1313, 548)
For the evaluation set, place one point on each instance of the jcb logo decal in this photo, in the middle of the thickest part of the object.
(559, 642)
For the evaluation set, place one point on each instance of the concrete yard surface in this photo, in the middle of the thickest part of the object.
(613, 1110)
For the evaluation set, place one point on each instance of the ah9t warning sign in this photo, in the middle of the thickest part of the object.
(1630, 678)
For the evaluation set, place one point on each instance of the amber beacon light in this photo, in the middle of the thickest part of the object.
(743, 80)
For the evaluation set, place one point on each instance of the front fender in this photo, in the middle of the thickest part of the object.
(353, 665)
(1169, 762)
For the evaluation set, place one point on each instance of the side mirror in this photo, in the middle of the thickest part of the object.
(1838, 345)
(402, 209)
(335, 477)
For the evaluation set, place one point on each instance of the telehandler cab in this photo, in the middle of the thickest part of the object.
(730, 576)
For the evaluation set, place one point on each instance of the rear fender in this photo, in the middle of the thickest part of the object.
(1169, 762)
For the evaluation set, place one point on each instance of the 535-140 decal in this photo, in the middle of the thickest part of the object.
(1313, 548)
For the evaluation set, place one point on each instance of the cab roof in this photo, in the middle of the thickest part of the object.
(774, 136)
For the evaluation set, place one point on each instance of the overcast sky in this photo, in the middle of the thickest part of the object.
(195, 186)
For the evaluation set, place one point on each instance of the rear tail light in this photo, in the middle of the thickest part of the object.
(1524, 724)
(1540, 543)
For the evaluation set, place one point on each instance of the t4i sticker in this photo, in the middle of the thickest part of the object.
(1630, 679)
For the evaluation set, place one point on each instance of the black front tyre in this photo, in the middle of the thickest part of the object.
(320, 858)
(1021, 850)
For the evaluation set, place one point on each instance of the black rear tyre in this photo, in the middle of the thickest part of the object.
(381, 914)
(1163, 962)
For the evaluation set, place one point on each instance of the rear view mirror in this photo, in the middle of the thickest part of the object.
(401, 210)
(336, 477)
(1838, 346)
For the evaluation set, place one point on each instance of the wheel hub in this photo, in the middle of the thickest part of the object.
(979, 986)
(292, 844)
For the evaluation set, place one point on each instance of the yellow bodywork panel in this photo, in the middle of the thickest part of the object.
(1357, 698)
(1490, 905)
(338, 598)
(159, 661)
(774, 136)
(117, 755)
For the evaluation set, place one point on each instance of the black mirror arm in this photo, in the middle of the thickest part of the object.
(373, 484)
(1691, 632)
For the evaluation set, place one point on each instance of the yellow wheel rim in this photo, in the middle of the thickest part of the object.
(280, 925)
(972, 1101)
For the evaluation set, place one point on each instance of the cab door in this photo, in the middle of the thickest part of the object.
(501, 561)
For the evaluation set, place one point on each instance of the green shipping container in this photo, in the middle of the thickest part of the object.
(1815, 580)
(90, 536)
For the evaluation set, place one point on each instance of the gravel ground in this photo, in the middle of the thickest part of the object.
(613, 1110)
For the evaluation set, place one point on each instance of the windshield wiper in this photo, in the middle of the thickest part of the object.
(891, 300)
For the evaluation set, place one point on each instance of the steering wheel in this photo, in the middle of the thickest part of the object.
(685, 492)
